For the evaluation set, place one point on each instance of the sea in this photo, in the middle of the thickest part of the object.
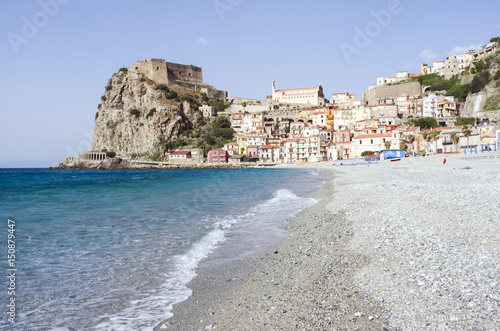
(116, 249)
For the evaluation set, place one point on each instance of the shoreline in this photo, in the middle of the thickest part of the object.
(218, 287)
(358, 261)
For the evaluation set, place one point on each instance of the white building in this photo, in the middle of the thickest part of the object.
(456, 64)
(343, 119)
(437, 68)
(310, 131)
(344, 100)
(430, 104)
(400, 76)
(307, 96)
(319, 118)
(370, 142)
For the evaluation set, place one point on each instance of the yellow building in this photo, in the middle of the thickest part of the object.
(425, 69)
(330, 117)
(242, 144)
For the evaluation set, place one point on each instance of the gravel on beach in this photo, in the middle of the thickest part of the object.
(409, 245)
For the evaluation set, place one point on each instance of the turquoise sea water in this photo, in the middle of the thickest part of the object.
(114, 250)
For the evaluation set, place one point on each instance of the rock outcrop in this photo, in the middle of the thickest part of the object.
(488, 98)
(136, 113)
(77, 163)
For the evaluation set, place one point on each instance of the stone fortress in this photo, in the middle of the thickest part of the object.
(168, 73)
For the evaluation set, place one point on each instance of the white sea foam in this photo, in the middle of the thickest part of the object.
(285, 203)
(155, 307)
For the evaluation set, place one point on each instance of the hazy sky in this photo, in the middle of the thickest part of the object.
(57, 55)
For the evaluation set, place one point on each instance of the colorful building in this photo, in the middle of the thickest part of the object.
(218, 156)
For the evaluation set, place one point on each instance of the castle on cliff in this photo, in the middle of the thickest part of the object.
(163, 72)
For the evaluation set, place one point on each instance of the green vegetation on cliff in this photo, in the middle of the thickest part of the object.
(213, 136)
(452, 86)
(425, 123)
(484, 72)
(204, 136)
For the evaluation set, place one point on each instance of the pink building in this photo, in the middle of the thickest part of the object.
(253, 150)
(218, 156)
(343, 136)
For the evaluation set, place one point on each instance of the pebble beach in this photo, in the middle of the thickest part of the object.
(408, 245)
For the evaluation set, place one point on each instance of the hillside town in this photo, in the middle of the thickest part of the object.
(451, 106)
(301, 125)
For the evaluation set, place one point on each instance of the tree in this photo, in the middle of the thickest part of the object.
(480, 81)
(387, 144)
(459, 91)
(430, 136)
(495, 40)
(454, 137)
(222, 122)
(402, 145)
(435, 137)
(465, 121)
(466, 132)
(244, 104)
(424, 123)
(479, 66)
(219, 105)
(367, 153)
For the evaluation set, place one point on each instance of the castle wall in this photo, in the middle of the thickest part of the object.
(184, 73)
(158, 71)
(162, 72)
(385, 91)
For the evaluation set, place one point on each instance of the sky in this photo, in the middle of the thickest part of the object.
(57, 55)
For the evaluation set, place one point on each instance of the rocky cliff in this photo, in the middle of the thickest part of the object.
(136, 114)
(488, 84)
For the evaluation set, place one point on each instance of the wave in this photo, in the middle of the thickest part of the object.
(150, 310)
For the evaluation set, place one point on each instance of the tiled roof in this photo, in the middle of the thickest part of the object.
(443, 128)
(298, 89)
(377, 135)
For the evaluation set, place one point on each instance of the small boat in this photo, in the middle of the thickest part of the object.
(394, 160)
